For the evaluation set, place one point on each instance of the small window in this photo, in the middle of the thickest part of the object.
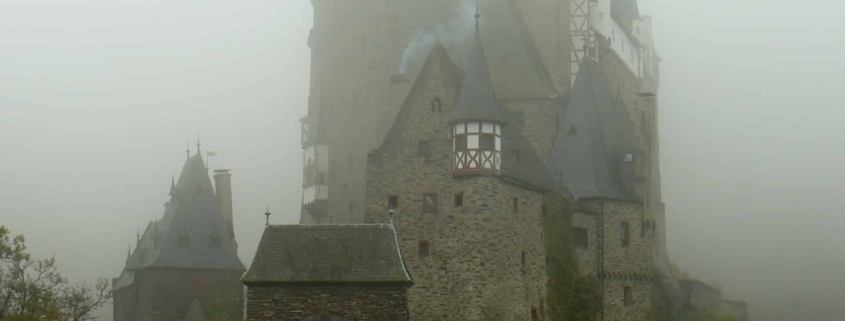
(392, 202)
(582, 240)
(627, 296)
(534, 315)
(436, 104)
(459, 199)
(444, 272)
(424, 249)
(488, 142)
(522, 264)
(629, 158)
(184, 240)
(430, 203)
(515, 205)
(461, 142)
(423, 149)
(625, 234)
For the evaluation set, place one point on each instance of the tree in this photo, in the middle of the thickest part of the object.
(679, 273)
(34, 290)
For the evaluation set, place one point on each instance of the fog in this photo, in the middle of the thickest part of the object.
(98, 99)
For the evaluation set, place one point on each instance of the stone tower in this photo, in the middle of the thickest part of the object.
(185, 258)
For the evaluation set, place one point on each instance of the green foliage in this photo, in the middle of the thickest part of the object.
(662, 302)
(723, 315)
(571, 296)
(33, 289)
(224, 305)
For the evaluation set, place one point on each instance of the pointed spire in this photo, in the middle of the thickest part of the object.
(188, 149)
(477, 15)
(128, 252)
(267, 214)
(138, 237)
(172, 185)
(198, 144)
(477, 102)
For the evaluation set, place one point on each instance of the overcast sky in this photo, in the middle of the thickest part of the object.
(98, 99)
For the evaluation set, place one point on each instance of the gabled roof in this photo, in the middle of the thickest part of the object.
(365, 253)
(477, 101)
(193, 212)
(596, 135)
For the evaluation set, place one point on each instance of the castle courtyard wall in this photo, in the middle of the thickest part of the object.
(343, 302)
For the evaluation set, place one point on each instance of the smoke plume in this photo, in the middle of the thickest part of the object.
(449, 33)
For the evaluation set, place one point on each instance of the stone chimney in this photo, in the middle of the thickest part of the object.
(399, 88)
(223, 185)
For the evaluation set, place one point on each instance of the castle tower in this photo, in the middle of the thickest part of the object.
(477, 124)
(315, 174)
(189, 255)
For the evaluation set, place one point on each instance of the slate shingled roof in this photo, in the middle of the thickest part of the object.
(193, 208)
(364, 253)
(595, 136)
(477, 101)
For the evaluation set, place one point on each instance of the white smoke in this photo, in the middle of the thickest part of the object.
(450, 33)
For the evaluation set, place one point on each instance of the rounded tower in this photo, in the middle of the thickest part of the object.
(477, 123)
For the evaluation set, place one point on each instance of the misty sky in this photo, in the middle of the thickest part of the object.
(98, 99)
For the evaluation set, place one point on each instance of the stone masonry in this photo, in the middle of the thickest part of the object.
(348, 303)
(484, 261)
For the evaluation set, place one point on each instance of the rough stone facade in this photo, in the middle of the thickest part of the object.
(623, 270)
(347, 303)
(538, 120)
(484, 260)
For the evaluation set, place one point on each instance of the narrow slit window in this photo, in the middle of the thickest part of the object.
(515, 205)
(629, 301)
(436, 104)
(392, 202)
(459, 199)
(424, 249)
(626, 237)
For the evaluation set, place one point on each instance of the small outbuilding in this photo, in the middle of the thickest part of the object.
(328, 272)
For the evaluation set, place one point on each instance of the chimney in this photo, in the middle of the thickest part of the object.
(223, 185)
(399, 88)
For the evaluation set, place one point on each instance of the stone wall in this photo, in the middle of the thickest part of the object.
(346, 302)
(624, 266)
(699, 296)
(474, 268)
(541, 118)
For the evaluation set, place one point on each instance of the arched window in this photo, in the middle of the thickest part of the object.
(436, 104)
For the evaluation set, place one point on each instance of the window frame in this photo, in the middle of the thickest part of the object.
(436, 203)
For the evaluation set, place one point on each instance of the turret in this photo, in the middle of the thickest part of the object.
(477, 123)
(315, 161)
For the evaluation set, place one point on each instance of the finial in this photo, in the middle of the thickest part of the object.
(198, 144)
(267, 214)
(188, 149)
(138, 236)
(477, 14)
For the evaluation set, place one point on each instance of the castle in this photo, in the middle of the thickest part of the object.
(434, 148)
(188, 257)
(458, 156)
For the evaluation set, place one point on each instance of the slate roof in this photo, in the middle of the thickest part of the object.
(516, 69)
(477, 101)
(193, 208)
(624, 12)
(595, 136)
(520, 162)
(365, 253)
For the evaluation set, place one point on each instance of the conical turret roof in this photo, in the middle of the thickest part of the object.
(477, 101)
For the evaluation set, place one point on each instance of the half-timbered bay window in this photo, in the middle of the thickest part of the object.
(478, 147)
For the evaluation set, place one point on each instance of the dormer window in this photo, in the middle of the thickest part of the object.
(184, 240)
